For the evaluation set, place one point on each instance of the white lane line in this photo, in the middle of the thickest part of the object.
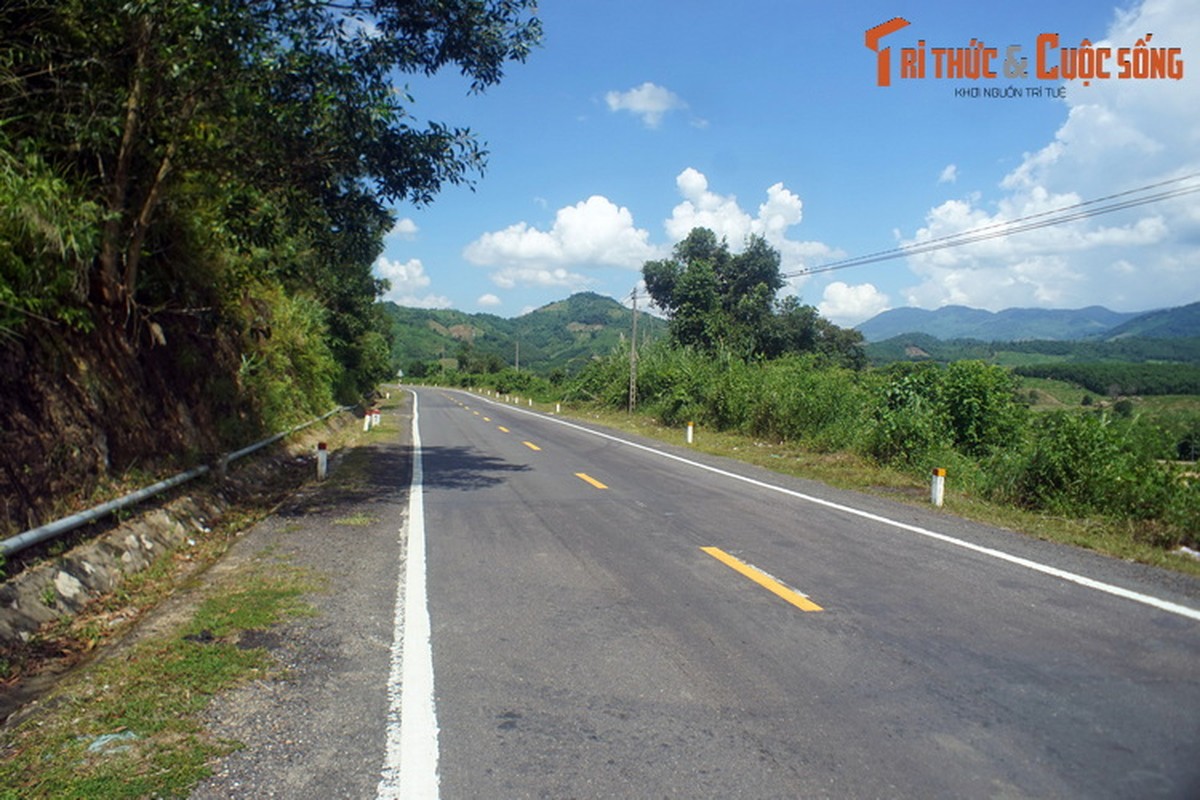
(410, 768)
(1046, 569)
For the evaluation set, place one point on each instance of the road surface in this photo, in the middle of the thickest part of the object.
(616, 618)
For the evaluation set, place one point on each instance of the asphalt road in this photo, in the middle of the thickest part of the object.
(586, 644)
(609, 617)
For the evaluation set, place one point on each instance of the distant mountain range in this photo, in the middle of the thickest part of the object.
(1024, 324)
(563, 335)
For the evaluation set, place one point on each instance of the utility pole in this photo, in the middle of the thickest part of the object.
(633, 357)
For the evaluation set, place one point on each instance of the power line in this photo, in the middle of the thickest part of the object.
(1044, 219)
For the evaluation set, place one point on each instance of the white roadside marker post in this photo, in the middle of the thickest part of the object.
(937, 491)
(690, 432)
(322, 460)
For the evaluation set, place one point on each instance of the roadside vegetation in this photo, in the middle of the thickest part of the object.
(129, 726)
(125, 720)
(192, 196)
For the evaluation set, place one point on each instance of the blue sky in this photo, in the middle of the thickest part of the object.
(637, 120)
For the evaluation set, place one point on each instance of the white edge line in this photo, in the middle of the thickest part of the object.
(410, 768)
(1091, 583)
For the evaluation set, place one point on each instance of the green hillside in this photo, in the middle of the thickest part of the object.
(563, 335)
(1132, 349)
(1168, 323)
(1033, 324)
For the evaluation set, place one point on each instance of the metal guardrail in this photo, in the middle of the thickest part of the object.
(50, 530)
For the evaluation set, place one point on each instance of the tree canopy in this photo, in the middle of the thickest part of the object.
(159, 156)
(716, 299)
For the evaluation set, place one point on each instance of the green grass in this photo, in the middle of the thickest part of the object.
(356, 520)
(151, 699)
(1052, 394)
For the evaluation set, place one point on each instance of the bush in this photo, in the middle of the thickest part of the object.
(906, 418)
(289, 376)
(799, 399)
(1079, 464)
(982, 405)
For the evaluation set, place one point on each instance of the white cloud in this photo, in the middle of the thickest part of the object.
(404, 229)
(949, 174)
(1117, 135)
(597, 233)
(702, 208)
(488, 300)
(850, 305)
(511, 277)
(407, 279)
(593, 233)
(649, 101)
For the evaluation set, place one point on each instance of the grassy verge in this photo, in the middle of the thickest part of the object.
(129, 725)
(1120, 539)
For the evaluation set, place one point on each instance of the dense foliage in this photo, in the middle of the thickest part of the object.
(720, 301)
(231, 161)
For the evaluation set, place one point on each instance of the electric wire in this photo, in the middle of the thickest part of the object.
(1077, 211)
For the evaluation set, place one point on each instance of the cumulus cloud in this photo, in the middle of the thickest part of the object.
(511, 277)
(850, 305)
(407, 279)
(597, 233)
(649, 101)
(1117, 135)
(488, 300)
(404, 229)
(724, 216)
(592, 233)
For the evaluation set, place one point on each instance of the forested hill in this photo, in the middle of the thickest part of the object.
(563, 335)
(1168, 323)
(1020, 324)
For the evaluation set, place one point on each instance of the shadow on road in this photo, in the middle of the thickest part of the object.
(379, 474)
(464, 468)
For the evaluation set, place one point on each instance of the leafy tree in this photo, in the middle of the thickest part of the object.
(718, 300)
(212, 159)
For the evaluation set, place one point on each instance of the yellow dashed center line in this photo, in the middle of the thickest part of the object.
(583, 476)
(763, 579)
(531, 445)
(487, 419)
(502, 429)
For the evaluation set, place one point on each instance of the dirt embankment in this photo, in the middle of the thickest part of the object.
(77, 409)
(58, 611)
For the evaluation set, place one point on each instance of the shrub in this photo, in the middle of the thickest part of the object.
(802, 400)
(982, 405)
(906, 418)
(1080, 464)
(290, 375)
